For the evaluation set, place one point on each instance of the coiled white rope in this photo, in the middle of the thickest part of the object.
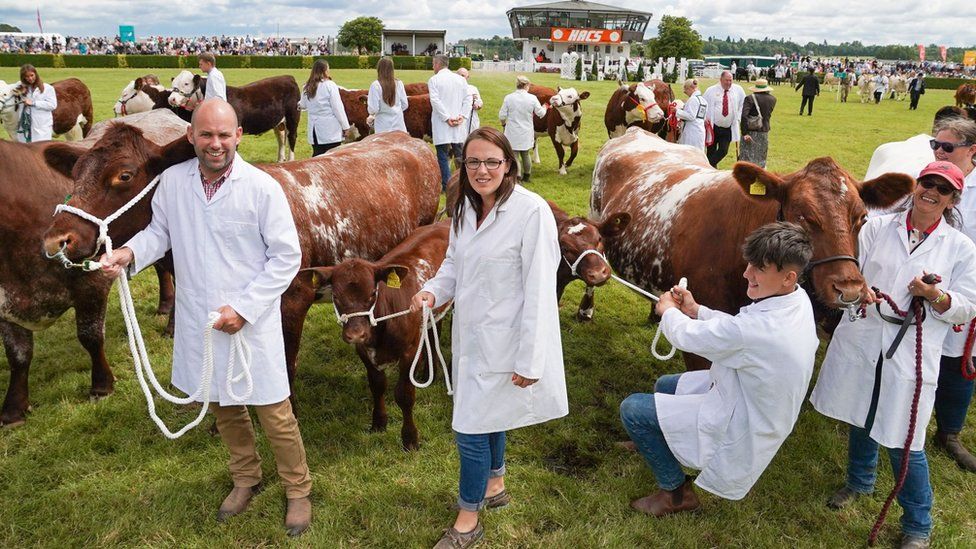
(240, 350)
(683, 283)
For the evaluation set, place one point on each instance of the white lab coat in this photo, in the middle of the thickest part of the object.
(729, 421)
(476, 103)
(502, 277)
(240, 249)
(42, 114)
(216, 85)
(847, 376)
(517, 115)
(955, 342)
(693, 113)
(448, 99)
(326, 115)
(713, 96)
(385, 117)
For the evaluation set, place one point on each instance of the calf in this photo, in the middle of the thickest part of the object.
(690, 220)
(643, 105)
(357, 201)
(562, 121)
(73, 117)
(359, 285)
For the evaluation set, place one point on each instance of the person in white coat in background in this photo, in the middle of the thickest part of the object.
(327, 122)
(216, 84)
(387, 99)
(517, 117)
(36, 115)
(693, 115)
(450, 105)
(476, 103)
(859, 384)
(235, 251)
(507, 365)
(729, 421)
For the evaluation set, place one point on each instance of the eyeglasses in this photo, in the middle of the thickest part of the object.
(944, 190)
(491, 163)
(947, 146)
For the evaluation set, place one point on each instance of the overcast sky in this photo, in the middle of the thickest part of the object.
(894, 21)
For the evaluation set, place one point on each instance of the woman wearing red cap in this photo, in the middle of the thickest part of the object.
(868, 377)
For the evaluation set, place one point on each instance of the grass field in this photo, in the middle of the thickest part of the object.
(99, 474)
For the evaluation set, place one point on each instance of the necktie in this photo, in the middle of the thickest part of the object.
(725, 103)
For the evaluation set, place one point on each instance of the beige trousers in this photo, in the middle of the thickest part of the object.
(281, 428)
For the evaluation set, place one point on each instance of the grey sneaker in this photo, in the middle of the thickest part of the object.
(914, 542)
(843, 497)
(452, 539)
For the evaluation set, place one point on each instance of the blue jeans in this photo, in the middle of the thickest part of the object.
(444, 163)
(915, 497)
(639, 416)
(953, 396)
(482, 457)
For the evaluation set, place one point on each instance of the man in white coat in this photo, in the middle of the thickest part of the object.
(725, 113)
(36, 114)
(729, 421)
(216, 85)
(235, 250)
(516, 116)
(451, 106)
(476, 103)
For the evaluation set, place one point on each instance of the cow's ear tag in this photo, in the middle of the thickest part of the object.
(392, 279)
(757, 188)
(315, 279)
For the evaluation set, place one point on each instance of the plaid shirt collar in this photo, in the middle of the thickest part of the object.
(210, 187)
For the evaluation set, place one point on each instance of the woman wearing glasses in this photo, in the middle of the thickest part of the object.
(859, 384)
(955, 142)
(507, 364)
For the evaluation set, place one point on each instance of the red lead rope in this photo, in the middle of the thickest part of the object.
(916, 306)
(968, 370)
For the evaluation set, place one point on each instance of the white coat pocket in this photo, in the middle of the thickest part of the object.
(501, 279)
(499, 347)
(242, 241)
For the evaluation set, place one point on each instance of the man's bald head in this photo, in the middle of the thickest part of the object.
(215, 107)
(215, 134)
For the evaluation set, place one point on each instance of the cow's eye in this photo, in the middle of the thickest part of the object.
(125, 177)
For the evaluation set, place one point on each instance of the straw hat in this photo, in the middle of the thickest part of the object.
(761, 86)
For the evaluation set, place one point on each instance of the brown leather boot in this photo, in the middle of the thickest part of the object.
(669, 502)
(237, 501)
(298, 516)
(951, 443)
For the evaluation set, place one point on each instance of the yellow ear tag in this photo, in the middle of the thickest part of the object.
(315, 279)
(392, 280)
(757, 188)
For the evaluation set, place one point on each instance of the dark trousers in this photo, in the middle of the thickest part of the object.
(915, 97)
(720, 148)
(443, 151)
(318, 149)
(877, 96)
(808, 103)
(952, 397)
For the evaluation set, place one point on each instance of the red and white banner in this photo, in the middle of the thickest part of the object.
(942, 53)
(921, 52)
(586, 36)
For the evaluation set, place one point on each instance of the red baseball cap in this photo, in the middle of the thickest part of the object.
(946, 170)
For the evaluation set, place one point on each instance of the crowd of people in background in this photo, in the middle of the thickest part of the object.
(170, 45)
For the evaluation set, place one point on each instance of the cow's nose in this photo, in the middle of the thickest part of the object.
(54, 244)
(354, 335)
(598, 276)
(848, 291)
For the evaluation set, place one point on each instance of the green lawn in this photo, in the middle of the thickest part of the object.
(99, 474)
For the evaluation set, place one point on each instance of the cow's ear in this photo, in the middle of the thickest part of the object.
(584, 95)
(179, 150)
(320, 279)
(61, 157)
(137, 84)
(614, 225)
(622, 85)
(886, 189)
(196, 80)
(758, 183)
(364, 99)
(392, 275)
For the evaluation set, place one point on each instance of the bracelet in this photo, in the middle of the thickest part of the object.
(940, 299)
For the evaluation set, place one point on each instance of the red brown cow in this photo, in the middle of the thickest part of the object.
(689, 220)
(359, 285)
(644, 105)
(966, 95)
(562, 121)
(357, 201)
(416, 88)
(34, 291)
(73, 117)
(354, 101)
(417, 116)
(267, 104)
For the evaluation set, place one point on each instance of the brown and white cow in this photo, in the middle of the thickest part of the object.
(34, 291)
(73, 117)
(359, 285)
(562, 121)
(644, 105)
(690, 220)
(966, 95)
(267, 104)
(144, 94)
(356, 201)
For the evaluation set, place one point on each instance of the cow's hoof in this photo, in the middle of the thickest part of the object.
(167, 332)
(377, 428)
(213, 431)
(12, 423)
(164, 310)
(411, 446)
(562, 171)
(94, 395)
(584, 317)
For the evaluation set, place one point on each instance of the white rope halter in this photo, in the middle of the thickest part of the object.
(240, 350)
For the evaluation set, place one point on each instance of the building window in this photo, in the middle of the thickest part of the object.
(606, 49)
(620, 49)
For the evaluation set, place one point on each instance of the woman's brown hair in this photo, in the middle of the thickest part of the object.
(320, 72)
(38, 83)
(467, 193)
(384, 74)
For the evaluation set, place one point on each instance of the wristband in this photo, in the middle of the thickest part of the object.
(940, 299)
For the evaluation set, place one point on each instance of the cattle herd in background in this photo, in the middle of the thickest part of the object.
(369, 208)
